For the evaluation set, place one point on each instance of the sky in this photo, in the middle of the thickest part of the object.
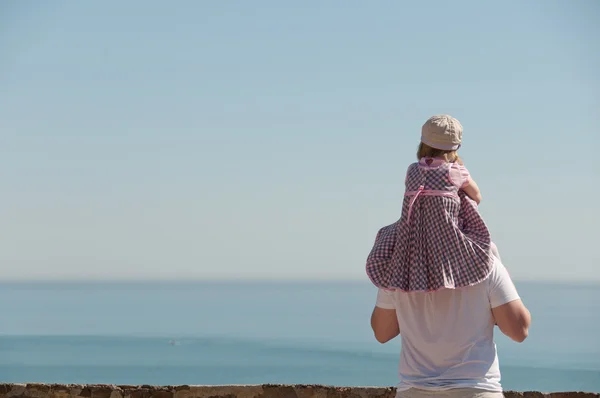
(270, 139)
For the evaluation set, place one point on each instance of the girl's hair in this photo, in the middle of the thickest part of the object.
(425, 151)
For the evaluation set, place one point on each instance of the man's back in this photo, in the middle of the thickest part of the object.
(447, 335)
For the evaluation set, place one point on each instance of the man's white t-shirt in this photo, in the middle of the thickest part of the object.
(448, 335)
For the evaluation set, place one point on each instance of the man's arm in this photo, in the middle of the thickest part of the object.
(513, 319)
(510, 314)
(384, 324)
(384, 321)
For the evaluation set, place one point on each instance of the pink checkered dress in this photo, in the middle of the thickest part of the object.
(440, 241)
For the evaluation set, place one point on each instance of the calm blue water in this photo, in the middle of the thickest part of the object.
(230, 333)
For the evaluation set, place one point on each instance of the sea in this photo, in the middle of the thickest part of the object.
(171, 333)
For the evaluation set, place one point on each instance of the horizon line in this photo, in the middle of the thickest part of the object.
(250, 280)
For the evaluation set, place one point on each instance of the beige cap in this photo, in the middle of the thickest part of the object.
(442, 132)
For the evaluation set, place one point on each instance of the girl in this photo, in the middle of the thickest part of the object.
(440, 241)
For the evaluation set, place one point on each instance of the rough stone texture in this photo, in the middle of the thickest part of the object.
(233, 391)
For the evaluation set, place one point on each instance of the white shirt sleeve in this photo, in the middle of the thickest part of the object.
(501, 288)
(385, 299)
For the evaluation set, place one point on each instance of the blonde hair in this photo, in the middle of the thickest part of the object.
(425, 151)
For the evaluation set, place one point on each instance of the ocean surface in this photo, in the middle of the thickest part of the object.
(236, 333)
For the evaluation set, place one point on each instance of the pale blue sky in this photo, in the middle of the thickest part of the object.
(269, 139)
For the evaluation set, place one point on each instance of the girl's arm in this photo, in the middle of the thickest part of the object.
(460, 176)
(472, 190)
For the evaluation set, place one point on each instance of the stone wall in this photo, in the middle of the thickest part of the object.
(233, 391)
